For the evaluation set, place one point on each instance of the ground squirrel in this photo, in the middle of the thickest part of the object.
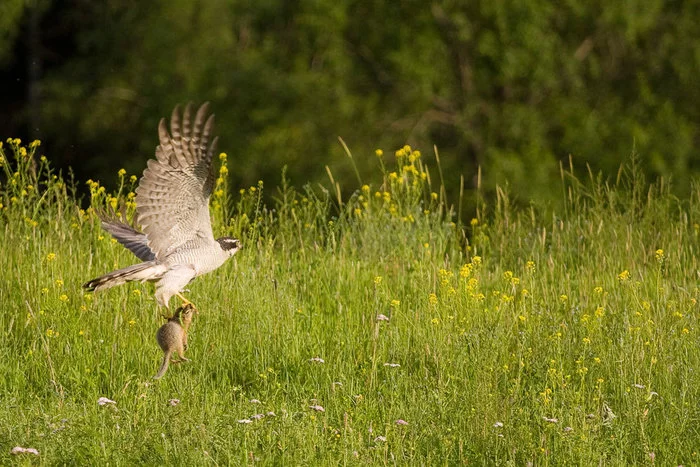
(172, 337)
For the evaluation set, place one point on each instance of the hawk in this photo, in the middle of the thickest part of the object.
(172, 206)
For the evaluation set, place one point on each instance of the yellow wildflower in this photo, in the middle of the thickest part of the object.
(659, 255)
(432, 299)
(466, 270)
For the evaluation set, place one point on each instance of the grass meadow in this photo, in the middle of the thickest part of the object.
(376, 328)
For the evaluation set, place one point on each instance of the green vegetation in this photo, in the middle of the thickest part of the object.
(373, 329)
(512, 86)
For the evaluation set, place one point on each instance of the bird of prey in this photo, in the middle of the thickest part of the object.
(172, 206)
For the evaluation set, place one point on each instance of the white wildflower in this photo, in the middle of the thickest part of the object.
(608, 415)
(20, 450)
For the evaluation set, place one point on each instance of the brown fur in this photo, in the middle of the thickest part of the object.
(172, 337)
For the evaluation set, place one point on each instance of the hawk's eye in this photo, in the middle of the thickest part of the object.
(228, 243)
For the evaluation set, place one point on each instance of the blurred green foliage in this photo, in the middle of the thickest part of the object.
(512, 86)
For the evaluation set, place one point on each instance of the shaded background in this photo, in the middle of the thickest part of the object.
(513, 86)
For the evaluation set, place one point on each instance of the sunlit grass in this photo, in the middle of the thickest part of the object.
(371, 329)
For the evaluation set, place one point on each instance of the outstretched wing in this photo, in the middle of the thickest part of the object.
(128, 236)
(172, 199)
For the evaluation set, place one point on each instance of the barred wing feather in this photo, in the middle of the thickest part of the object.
(128, 236)
(172, 199)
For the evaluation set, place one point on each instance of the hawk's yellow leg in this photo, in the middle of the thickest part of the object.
(186, 302)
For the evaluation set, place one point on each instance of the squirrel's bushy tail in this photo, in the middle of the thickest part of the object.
(164, 365)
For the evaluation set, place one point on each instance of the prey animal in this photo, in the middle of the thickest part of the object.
(172, 337)
(176, 243)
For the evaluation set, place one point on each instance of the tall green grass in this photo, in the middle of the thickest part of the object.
(521, 335)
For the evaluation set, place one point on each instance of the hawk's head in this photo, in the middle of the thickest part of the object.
(229, 245)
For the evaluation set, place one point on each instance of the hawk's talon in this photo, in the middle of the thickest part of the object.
(186, 302)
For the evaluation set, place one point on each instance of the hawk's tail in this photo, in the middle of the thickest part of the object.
(137, 272)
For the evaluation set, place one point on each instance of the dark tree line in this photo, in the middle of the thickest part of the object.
(512, 86)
